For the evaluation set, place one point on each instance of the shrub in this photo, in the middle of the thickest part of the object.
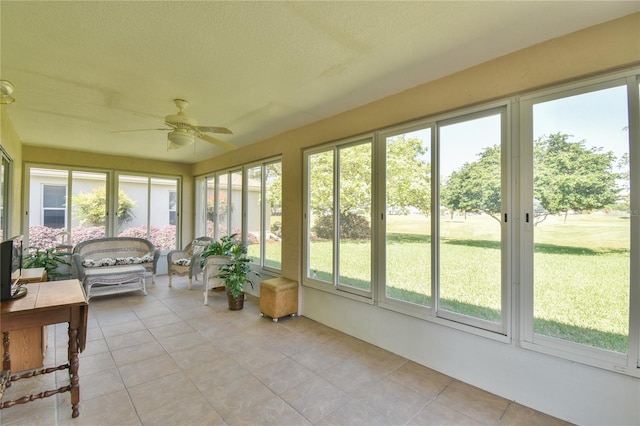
(353, 227)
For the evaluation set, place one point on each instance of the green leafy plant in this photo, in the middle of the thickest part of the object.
(48, 259)
(223, 247)
(236, 272)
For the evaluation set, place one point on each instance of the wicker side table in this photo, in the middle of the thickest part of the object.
(278, 298)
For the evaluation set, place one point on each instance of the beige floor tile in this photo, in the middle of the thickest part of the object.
(282, 375)
(137, 353)
(131, 339)
(273, 412)
(146, 370)
(356, 412)
(438, 414)
(195, 411)
(315, 398)
(238, 395)
(349, 375)
(196, 356)
(421, 379)
(94, 364)
(123, 328)
(473, 402)
(392, 399)
(517, 414)
(317, 357)
(215, 373)
(100, 384)
(159, 320)
(109, 319)
(169, 330)
(182, 341)
(157, 393)
(112, 409)
(255, 359)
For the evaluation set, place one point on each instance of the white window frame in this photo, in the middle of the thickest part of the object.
(334, 287)
(629, 363)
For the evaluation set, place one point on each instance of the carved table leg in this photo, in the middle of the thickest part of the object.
(73, 372)
(6, 356)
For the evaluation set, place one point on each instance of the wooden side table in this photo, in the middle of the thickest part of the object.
(29, 344)
(45, 304)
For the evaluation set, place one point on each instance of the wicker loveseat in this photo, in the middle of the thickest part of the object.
(117, 264)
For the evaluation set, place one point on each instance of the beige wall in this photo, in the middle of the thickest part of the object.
(597, 49)
(10, 142)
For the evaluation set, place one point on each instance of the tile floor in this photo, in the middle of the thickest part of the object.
(166, 359)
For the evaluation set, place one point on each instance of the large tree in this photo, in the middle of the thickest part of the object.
(408, 184)
(475, 187)
(567, 176)
(570, 176)
(408, 175)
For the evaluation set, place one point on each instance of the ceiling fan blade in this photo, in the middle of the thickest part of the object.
(137, 130)
(213, 129)
(215, 141)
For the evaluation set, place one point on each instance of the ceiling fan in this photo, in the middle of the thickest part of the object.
(183, 130)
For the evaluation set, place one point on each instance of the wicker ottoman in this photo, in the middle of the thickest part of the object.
(278, 298)
(114, 279)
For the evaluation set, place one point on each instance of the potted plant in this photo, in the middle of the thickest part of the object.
(234, 270)
(219, 248)
(48, 259)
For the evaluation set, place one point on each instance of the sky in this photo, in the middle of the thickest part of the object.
(599, 118)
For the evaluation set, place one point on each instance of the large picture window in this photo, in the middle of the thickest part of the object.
(72, 206)
(339, 215)
(579, 219)
(246, 201)
(442, 238)
(470, 244)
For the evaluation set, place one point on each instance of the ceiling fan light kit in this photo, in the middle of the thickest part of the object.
(179, 138)
(184, 130)
(6, 89)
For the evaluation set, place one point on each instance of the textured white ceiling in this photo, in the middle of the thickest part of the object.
(84, 69)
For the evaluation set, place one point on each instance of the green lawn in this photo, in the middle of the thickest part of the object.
(581, 272)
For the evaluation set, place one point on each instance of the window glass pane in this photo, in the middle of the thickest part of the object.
(254, 213)
(211, 206)
(133, 203)
(54, 196)
(408, 221)
(46, 222)
(354, 219)
(320, 216)
(222, 192)
(582, 219)
(235, 207)
(470, 274)
(163, 232)
(53, 218)
(273, 215)
(173, 200)
(89, 202)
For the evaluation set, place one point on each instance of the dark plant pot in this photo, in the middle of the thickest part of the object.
(235, 303)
